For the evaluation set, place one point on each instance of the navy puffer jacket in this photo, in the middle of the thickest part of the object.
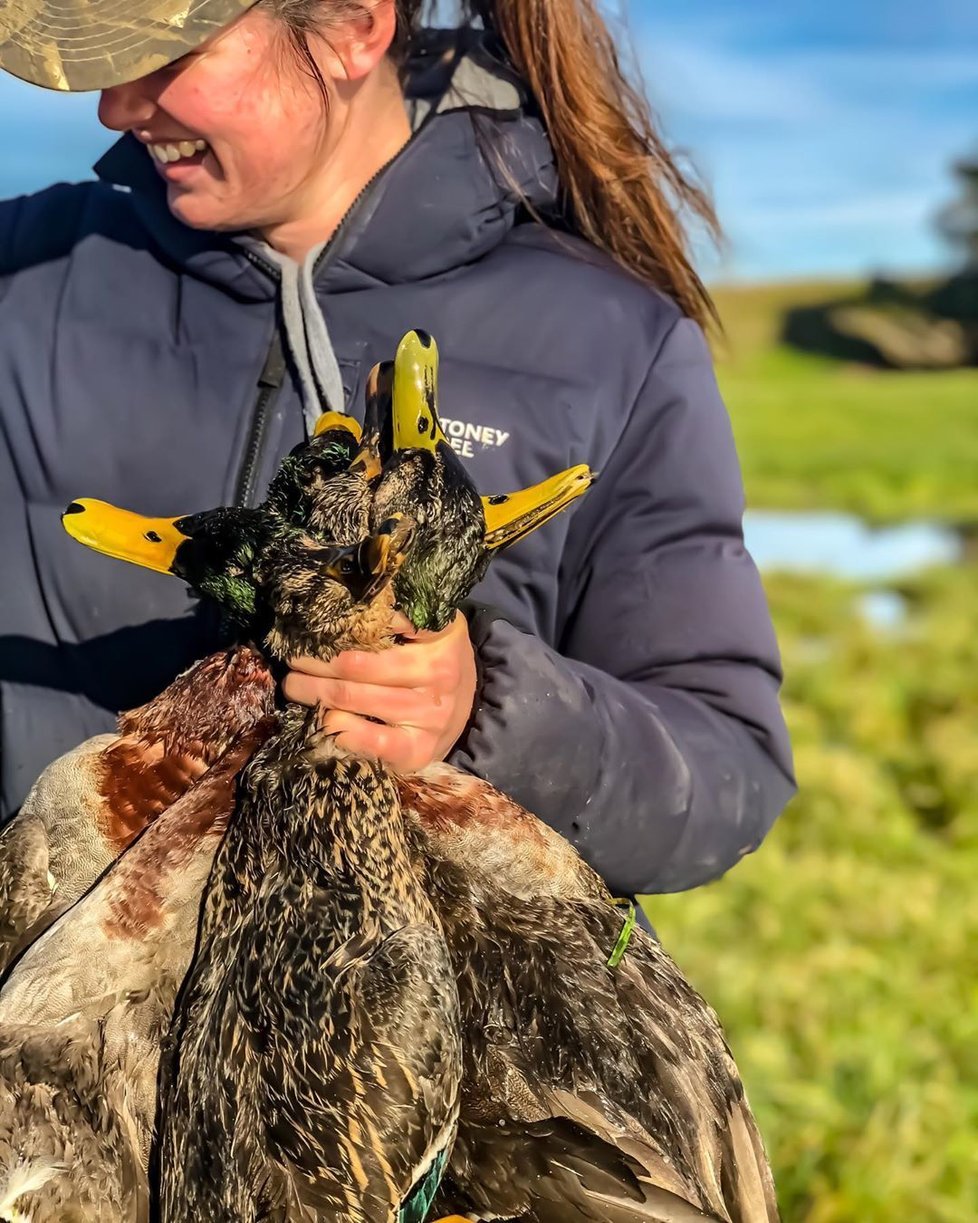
(628, 669)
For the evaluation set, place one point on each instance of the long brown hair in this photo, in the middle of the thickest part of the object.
(623, 189)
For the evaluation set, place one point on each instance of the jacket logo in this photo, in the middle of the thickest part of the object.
(465, 437)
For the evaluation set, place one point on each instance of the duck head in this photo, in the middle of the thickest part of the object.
(457, 530)
(277, 582)
(323, 485)
(214, 551)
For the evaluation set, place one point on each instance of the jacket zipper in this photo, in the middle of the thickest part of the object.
(269, 381)
(273, 371)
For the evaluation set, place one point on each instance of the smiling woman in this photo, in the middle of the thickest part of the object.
(295, 186)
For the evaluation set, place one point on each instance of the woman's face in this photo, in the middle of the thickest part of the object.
(237, 129)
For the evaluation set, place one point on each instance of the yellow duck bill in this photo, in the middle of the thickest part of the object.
(415, 394)
(509, 516)
(336, 420)
(150, 542)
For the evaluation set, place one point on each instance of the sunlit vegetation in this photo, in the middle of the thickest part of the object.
(816, 433)
(842, 957)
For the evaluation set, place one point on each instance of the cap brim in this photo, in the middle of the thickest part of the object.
(93, 44)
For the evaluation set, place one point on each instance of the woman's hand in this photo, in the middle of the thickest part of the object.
(422, 692)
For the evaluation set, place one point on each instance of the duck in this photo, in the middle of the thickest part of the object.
(315, 1051)
(90, 804)
(596, 1081)
(84, 1010)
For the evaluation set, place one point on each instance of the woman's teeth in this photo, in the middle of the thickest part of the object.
(165, 153)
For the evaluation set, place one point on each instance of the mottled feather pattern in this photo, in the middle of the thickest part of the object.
(521, 910)
(67, 1078)
(322, 979)
(637, 1041)
(448, 557)
(26, 885)
(91, 803)
(138, 780)
(108, 973)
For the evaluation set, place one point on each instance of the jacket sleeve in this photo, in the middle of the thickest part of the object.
(652, 737)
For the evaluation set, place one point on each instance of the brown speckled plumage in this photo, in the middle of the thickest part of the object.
(80, 1165)
(609, 1093)
(84, 1008)
(315, 1057)
(113, 963)
(91, 803)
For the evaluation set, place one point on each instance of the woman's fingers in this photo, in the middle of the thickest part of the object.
(395, 705)
(407, 705)
(426, 660)
(405, 748)
(398, 668)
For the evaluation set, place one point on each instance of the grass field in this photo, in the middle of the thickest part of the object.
(815, 433)
(842, 956)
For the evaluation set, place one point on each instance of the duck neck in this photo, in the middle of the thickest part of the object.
(358, 837)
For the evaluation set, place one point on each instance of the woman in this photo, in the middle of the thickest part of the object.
(296, 185)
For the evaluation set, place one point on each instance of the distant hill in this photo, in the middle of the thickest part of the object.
(816, 432)
(882, 323)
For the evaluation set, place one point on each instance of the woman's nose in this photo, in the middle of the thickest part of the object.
(126, 106)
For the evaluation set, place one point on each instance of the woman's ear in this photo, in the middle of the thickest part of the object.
(356, 46)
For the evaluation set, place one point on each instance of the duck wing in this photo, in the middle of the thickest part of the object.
(523, 912)
(631, 1056)
(90, 804)
(118, 956)
(553, 1170)
(40, 873)
(66, 1136)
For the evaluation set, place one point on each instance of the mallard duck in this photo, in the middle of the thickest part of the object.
(597, 1082)
(316, 1057)
(91, 803)
(83, 1012)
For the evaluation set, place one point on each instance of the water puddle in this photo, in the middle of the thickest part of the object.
(883, 610)
(845, 547)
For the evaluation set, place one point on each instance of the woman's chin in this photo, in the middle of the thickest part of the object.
(197, 211)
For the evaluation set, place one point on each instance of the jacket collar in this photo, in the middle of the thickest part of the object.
(449, 197)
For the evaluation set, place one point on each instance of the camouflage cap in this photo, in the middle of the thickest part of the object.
(92, 44)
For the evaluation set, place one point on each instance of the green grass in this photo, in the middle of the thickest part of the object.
(841, 957)
(816, 434)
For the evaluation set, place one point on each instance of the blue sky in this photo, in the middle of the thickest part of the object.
(825, 127)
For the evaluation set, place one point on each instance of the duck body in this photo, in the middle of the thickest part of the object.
(316, 1059)
(84, 1009)
(64, 1110)
(89, 805)
(588, 1091)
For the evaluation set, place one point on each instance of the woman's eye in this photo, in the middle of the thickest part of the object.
(346, 567)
